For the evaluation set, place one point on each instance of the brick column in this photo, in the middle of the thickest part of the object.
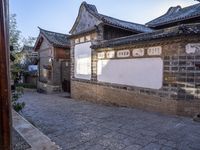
(72, 59)
(94, 65)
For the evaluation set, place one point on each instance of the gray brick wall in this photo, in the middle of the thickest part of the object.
(56, 73)
(182, 76)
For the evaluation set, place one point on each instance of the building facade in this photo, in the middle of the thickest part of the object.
(92, 27)
(54, 61)
(154, 67)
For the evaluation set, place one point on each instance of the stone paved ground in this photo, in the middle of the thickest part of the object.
(81, 125)
(18, 142)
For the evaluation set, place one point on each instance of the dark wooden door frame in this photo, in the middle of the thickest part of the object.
(5, 105)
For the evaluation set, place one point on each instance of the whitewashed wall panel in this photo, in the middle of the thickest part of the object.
(141, 72)
(82, 54)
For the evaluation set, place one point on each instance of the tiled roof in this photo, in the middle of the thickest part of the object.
(125, 24)
(56, 39)
(116, 22)
(192, 29)
(27, 48)
(176, 14)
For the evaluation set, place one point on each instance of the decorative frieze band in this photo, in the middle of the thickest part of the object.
(193, 48)
(110, 54)
(123, 53)
(101, 55)
(139, 52)
(153, 51)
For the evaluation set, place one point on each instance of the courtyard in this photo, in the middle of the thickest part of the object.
(82, 125)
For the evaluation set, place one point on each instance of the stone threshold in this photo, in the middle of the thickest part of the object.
(35, 138)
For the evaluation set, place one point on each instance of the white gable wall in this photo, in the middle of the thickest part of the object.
(85, 21)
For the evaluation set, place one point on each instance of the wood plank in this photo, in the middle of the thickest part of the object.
(5, 113)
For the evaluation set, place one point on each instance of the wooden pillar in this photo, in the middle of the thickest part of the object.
(5, 113)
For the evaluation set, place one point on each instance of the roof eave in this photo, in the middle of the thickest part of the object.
(127, 40)
(37, 42)
(82, 32)
(123, 28)
(61, 46)
(170, 22)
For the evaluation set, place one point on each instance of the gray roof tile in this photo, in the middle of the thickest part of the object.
(192, 29)
(28, 48)
(176, 14)
(116, 22)
(56, 39)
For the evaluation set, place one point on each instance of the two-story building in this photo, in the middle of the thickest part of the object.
(54, 61)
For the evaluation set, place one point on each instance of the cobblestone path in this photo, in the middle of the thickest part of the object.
(81, 125)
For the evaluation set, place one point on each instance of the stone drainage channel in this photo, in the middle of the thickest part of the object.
(34, 139)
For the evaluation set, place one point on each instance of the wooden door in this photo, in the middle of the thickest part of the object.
(65, 75)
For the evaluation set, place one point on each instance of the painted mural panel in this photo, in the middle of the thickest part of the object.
(141, 72)
(123, 53)
(138, 52)
(82, 53)
(193, 48)
(153, 51)
(110, 54)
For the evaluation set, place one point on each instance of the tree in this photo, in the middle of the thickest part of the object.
(14, 33)
(30, 41)
(14, 39)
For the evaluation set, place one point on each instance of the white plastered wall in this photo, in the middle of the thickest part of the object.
(82, 54)
(140, 72)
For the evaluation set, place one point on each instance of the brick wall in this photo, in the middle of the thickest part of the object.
(45, 53)
(56, 72)
(178, 95)
(136, 98)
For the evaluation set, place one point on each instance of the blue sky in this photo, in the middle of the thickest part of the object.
(59, 15)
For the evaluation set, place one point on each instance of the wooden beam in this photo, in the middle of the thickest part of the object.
(5, 105)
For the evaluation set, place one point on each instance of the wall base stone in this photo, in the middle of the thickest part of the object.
(49, 89)
(121, 97)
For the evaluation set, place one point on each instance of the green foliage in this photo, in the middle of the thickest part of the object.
(17, 41)
(26, 85)
(17, 106)
(14, 33)
(14, 39)
(30, 41)
(15, 71)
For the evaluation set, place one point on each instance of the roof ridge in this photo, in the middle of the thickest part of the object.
(28, 45)
(173, 10)
(97, 13)
(124, 20)
(119, 23)
(191, 6)
(53, 32)
(167, 14)
(90, 6)
(55, 38)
